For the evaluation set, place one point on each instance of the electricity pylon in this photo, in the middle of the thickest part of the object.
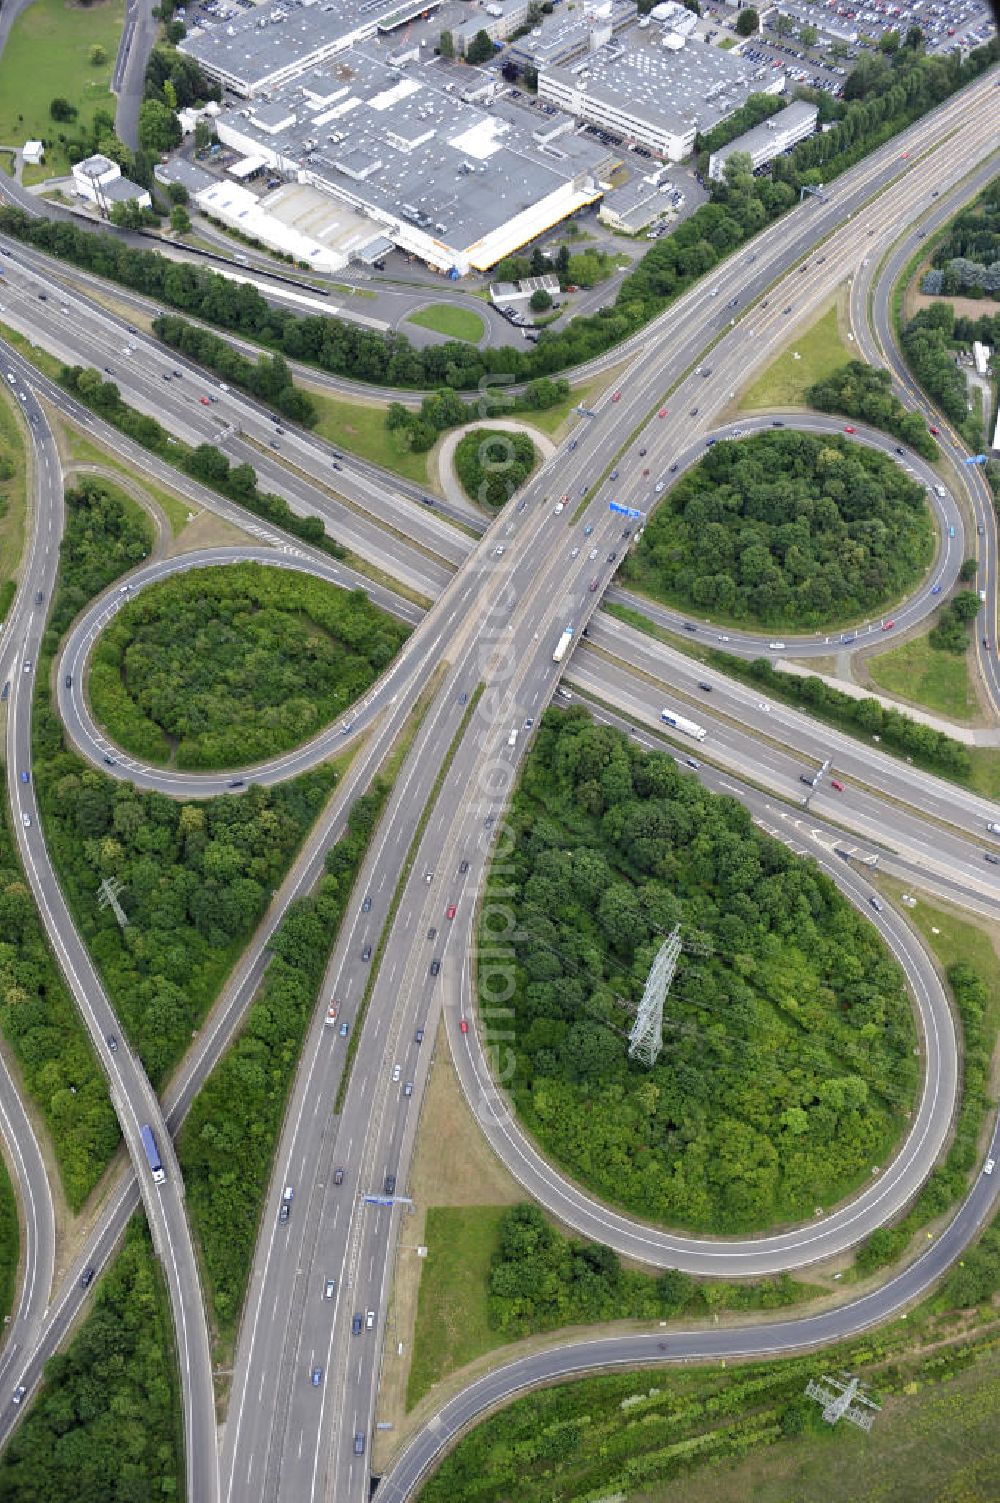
(646, 1037)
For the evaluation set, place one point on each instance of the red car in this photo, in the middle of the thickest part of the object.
(662, 412)
(904, 156)
(888, 625)
(617, 397)
(464, 1025)
(849, 429)
(204, 401)
(450, 911)
(935, 431)
(834, 784)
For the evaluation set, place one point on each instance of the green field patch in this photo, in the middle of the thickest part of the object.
(924, 675)
(452, 1325)
(787, 1069)
(47, 56)
(810, 356)
(235, 664)
(786, 531)
(452, 320)
(359, 427)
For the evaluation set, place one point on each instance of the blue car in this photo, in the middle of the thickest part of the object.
(344, 1029)
(951, 532)
(25, 777)
(317, 1376)
(935, 589)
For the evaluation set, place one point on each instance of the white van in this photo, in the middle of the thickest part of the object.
(512, 738)
(777, 646)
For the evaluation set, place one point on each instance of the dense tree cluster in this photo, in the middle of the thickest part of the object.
(196, 877)
(444, 409)
(106, 1424)
(206, 463)
(967, 257)
(865, 391)
(227, 1143)
(235, 664)
(787, 1067)
(786, 530)
(756, 110)
(951, 630)
(106, 534)
(541, 1280)
(177, 81)
(492, 465)
(896, 730)
(267, 378)
(927, 342)
(912, 86)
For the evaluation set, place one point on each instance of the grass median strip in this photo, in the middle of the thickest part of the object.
(397, 896)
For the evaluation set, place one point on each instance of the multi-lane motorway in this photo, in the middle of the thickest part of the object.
(498, 610)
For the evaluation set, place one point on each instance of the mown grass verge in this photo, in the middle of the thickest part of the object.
(494, 1274)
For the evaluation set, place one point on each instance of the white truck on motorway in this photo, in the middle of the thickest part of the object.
(562, 646)
(689, 727)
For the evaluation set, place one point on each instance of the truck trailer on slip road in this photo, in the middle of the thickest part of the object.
(562, 646)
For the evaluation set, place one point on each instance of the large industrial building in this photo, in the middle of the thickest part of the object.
(344, 101)
(267, 46)
(764, 142)
(443, 179)
(657, 96)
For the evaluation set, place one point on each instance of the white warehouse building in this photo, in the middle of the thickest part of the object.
(768, 140)
(657, 97)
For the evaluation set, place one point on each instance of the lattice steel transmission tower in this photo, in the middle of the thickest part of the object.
(646, 1037)
(843, 1399)
(107, 897)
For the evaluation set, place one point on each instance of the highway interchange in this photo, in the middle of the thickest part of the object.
(495, 618)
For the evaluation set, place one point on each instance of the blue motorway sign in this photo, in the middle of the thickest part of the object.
(976, 459)
(625, 511)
